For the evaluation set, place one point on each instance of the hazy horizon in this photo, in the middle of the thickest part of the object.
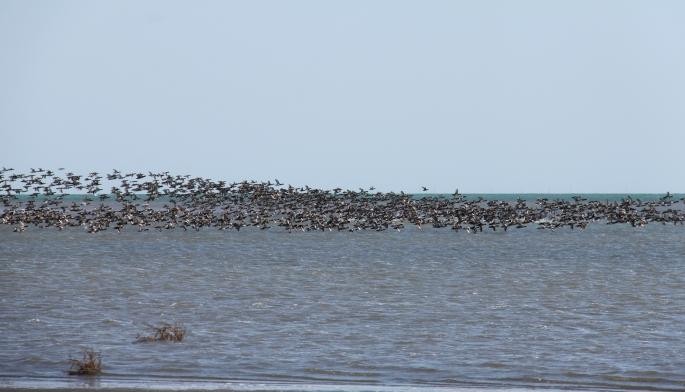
(487, 97)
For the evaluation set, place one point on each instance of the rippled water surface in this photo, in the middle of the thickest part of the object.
(604, 307)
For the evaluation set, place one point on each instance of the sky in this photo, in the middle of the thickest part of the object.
(484, 96)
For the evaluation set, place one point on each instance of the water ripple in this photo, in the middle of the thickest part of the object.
(594, 309)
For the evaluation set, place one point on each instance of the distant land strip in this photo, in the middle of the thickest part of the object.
(44, 198)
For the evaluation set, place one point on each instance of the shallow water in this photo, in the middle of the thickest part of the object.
(603, 307)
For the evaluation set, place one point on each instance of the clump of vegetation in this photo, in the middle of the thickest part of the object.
(163, 333)
(89, 365)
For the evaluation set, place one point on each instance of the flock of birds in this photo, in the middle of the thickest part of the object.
(162, 201)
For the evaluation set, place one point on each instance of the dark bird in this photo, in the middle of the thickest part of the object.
(198, 202)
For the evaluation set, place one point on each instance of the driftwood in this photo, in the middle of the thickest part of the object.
(89, 365)
(163, 333)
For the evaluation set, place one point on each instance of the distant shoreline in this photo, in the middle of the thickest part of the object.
(532, 196)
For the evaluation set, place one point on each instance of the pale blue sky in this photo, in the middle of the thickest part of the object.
(487, 96)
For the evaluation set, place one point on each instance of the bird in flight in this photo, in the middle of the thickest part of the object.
(424, 188)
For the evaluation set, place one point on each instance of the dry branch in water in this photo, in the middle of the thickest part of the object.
(89, 365)
(163, 333)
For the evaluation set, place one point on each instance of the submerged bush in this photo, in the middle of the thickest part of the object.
(163, 333)
(89, 365)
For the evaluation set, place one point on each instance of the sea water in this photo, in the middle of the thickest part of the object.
(414, 310)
